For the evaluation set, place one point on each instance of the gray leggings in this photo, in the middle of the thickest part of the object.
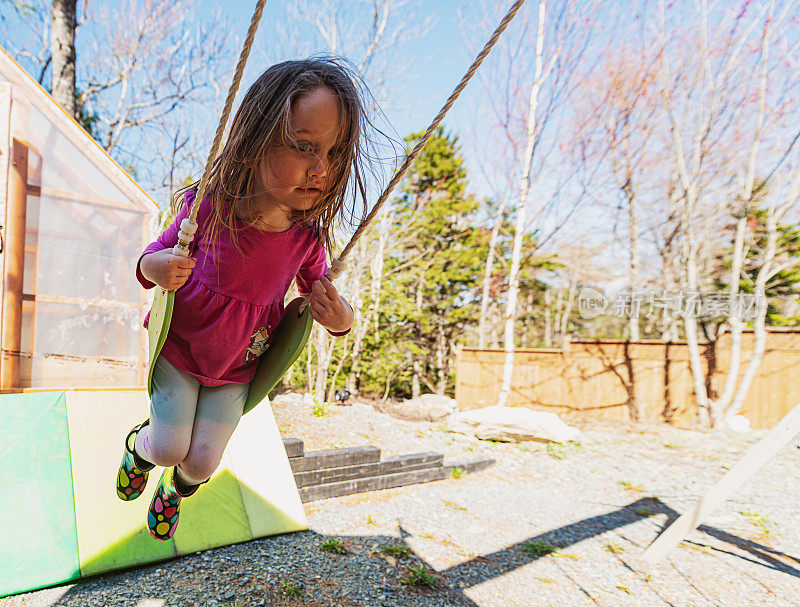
(190, 424)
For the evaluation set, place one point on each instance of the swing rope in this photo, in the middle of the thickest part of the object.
(421, 143)
(189, 225)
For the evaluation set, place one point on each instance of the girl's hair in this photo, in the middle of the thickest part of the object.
(264, 119)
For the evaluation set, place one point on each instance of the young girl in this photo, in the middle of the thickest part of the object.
(292, 159)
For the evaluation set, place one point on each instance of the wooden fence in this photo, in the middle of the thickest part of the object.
(597, 379)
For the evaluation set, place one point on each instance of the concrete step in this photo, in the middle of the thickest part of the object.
(387, 481)
(400, 463)
(335, 458)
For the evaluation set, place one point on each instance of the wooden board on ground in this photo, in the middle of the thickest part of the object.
(401, 463)
(758, 455)
(335, 458)
(387, 481)
(293, 446)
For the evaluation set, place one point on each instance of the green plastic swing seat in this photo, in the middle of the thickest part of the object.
(286, 343)
(158, 329)
(285, 346)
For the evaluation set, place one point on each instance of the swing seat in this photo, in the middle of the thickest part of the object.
(286, 343)
(158, 329)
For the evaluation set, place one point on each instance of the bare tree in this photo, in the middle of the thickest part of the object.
(558, 43)
(719, 121)
(616, 126)
(140, 78)
(368, 32)
(25, 28)
(143, 69)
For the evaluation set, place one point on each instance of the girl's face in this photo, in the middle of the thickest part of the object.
(294, 173)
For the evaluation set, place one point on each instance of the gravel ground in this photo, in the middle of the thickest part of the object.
(483, 539)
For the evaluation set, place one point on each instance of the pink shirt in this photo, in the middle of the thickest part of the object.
(226, 311)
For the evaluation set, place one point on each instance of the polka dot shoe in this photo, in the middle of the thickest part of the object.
(131, 479)
(162, 517)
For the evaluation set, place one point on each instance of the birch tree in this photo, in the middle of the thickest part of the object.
(560, 41)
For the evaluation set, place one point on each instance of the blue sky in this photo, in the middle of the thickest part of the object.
(439, 60)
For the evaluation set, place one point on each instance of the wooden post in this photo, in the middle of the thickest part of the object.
(5, 165)
(14, 266)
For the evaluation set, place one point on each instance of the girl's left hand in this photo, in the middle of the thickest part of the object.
(329, 308)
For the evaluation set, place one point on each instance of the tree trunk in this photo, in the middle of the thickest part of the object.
(765, 273)
(633, 242)
(309, 371)
(548, 329)
(573, 287)
(731, 401)
(416, 391)
(332, 388)
(735, 322)
(324, 351)
(441, 361)
(495, 314)
(415, 378)
(487, 277)
(62, 48)
(519, 226)
(705, 415)
(526, 326)
(557, 337)
(376, 270)
(360, 321)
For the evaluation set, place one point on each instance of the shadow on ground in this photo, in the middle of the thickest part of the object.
(265, 571)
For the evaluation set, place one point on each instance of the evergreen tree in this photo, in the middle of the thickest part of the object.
(433, 268)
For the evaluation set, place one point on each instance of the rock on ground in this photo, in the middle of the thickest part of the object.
(513, 424)
(428, 407)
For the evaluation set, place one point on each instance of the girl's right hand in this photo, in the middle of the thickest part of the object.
(166, 270)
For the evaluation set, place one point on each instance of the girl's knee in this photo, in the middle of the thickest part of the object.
(167, 454)
(200, 462)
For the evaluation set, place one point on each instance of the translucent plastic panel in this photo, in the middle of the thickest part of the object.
(83, 238)
(77, 329)
(55, 372)
(85, 346)
(31, 237)
(64, 166)
(87, 251)
(26, 335)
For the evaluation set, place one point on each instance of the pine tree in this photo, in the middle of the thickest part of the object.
(434, 267)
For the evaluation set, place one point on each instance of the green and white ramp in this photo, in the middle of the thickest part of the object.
(60, 517)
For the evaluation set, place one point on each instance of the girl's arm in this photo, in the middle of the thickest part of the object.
(165, 269)
(157, 265)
